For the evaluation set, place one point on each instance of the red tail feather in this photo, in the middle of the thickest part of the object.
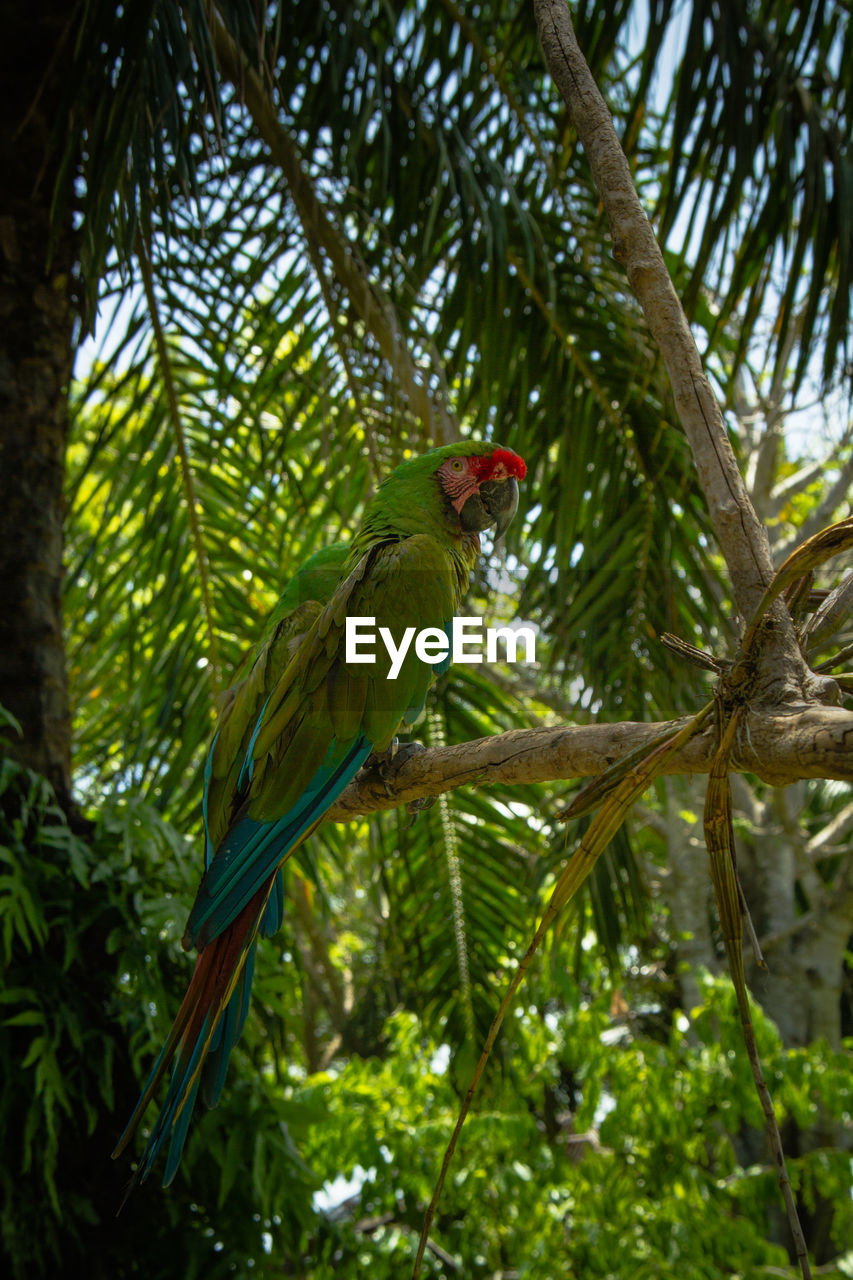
(215, 975)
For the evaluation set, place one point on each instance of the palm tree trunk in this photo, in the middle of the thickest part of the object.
(36, 334)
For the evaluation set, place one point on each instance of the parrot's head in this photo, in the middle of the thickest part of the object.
(453, 492)
(479, 482)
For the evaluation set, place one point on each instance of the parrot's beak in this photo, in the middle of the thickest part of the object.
(500, 498)
(494, 503)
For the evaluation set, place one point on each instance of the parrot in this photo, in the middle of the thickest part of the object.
(294, 731)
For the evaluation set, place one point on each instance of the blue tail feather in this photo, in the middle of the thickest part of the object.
(167, 1126)
(179, 1137)
(227, 1034)
(274, 910)
(248, 854)
(239, 871)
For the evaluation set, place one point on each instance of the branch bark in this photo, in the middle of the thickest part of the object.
(780, 747)
(741, 535)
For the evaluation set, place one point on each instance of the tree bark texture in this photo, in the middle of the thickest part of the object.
(782, 747)
(36, 331)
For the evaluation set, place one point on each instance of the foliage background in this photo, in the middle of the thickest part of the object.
(239, 404)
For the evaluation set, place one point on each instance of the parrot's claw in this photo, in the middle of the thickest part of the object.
(380, 761)
(401, 756)
(403, 752)
(414, 807)
(387, 763)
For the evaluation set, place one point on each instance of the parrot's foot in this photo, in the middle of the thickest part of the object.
(401, 753)
(387, 762)
(380, 761)
(401, 756)
(414, 807)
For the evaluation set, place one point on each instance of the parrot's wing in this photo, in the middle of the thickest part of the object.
(242, 704)
(318, 724)
(298, 607)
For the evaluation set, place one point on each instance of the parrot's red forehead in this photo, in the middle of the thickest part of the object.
(500, 464)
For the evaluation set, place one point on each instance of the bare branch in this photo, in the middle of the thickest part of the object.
(825, 842)
(779, 747)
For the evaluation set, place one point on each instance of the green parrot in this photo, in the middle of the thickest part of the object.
(295, 731)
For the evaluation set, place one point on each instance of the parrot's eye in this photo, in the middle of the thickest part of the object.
(457, 465)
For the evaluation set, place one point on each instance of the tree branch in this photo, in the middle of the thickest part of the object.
(741, 536)
(825, 843)
(780, 747)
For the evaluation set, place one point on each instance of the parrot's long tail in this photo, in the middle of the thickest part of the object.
(207, 1025)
